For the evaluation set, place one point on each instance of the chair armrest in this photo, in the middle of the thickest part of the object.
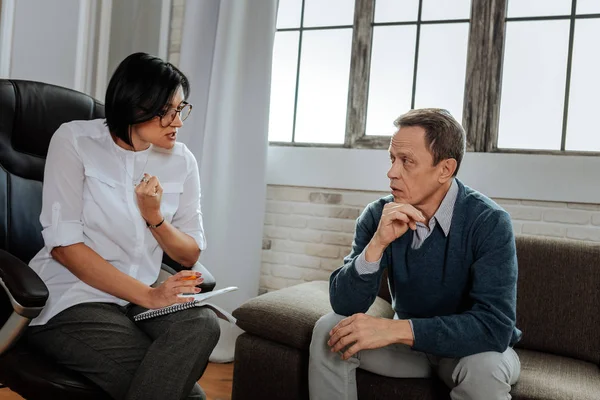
(27, 294)
(209, 281)
(25, 289)
(12, 330)
(289, 315)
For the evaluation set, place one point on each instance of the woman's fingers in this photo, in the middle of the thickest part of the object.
(186, 278)
(149, 185)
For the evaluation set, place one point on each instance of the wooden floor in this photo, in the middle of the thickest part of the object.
(216, 382)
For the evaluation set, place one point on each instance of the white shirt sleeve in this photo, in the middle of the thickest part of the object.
(188, 217)
(62, 198)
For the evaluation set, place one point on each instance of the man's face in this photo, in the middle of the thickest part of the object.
(413, 177)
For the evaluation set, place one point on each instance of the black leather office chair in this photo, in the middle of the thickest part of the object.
(30, 112)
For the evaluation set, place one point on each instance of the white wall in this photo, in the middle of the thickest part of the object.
(135, 26)
(48, 41)
(78, 43)
(512, 176)
(6, 31)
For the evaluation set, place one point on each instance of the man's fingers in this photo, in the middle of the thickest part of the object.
(409, 210)
(341, 324)
(352, 350)
(338, 337)
(398, 216)
(344, 342)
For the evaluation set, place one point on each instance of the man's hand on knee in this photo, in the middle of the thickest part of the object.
(363, 332)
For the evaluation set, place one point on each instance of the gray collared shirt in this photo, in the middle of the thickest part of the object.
(442, 216)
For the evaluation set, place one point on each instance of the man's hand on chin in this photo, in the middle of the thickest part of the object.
(363, 332)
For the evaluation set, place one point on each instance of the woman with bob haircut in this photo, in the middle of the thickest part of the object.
(117, 194)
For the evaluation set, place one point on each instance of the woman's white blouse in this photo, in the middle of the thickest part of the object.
(89, 197)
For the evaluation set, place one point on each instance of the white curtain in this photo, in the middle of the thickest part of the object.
(226, 53)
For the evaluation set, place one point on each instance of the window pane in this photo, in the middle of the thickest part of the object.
(283, 86)
(323, 87)
(328, 13)
(588, 6)
(582, 132)
(288, 14)
(396, 11)
(391, 77)
(537, 8)
(444, 9)
(442, 67)
(533, 85)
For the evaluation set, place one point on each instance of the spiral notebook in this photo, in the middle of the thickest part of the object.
(199, 301)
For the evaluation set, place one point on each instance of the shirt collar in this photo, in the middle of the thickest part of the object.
(443, 215)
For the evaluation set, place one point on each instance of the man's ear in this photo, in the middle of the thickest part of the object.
(447, 169)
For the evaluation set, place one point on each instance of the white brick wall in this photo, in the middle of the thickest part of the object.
(308, 231)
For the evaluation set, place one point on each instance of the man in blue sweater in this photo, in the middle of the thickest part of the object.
(452, 273)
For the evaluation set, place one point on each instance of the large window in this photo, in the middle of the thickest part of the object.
(309, 87)
(521, 79)
(550, 76)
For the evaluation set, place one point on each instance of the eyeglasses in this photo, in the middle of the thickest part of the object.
(168, 116)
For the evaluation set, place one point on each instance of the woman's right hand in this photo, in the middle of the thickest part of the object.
(168, 292)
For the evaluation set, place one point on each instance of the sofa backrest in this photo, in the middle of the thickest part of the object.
(558, 296)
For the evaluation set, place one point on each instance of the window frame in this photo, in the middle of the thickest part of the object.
(483, 80)
(572, 17)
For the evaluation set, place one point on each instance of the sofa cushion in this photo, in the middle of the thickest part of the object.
(558, 297)
(289, 315)
(549, 377)
(377, 387)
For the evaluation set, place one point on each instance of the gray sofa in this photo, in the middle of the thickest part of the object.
(558, 310)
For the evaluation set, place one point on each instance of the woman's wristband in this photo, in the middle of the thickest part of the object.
(155, 226)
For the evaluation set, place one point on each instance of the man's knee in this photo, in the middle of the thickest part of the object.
(481, 368)
(321, 331)
(325, 324)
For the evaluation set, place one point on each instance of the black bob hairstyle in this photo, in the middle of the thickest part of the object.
(140, 89)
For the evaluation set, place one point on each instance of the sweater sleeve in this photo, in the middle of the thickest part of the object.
(349, 291)
(488, 325)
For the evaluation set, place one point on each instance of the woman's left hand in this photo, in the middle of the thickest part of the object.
(149, 194)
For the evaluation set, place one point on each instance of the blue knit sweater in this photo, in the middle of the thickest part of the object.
(459, 290)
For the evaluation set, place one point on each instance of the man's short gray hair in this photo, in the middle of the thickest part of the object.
(444, 136)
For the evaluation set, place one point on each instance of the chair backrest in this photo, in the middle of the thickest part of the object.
(558, 296)
(30, 113)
